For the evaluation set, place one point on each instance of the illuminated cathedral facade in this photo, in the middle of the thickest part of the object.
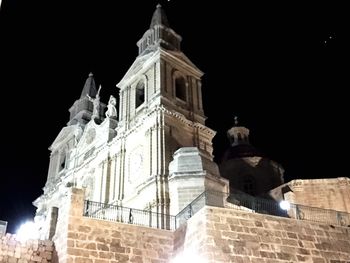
(154, 153)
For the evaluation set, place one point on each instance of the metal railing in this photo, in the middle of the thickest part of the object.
(191, 209)
(296, 211)
(128, 215)
(240, 201)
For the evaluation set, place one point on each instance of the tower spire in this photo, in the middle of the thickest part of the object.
(159, 34)
(83, 108)
(89, 87)
(159, 17)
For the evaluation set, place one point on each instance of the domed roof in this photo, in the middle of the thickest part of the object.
(240, 146)
(240, 151)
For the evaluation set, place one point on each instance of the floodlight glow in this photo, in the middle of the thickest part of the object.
(188, 257)
(27, 231)
(284, 205)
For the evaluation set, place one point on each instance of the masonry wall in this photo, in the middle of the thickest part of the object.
(211, 235)
(14, 251)
(332, 193)
(238, 236)
(97, 241)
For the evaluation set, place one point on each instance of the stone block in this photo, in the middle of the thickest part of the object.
(82, 260)
(265, 254)
(318, 260)
(103, 247)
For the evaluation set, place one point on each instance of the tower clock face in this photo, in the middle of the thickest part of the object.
(135, 165)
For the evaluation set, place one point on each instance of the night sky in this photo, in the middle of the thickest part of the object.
(283, 69)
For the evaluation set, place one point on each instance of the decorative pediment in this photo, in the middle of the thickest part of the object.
(89, 135)
(135, 67)
(184, 59)
(171, 55)
(94, 135)
(66, 134)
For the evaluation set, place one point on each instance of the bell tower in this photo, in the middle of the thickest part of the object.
(161, 75)
(162, 122)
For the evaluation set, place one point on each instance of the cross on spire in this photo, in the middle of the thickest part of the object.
(236, 120)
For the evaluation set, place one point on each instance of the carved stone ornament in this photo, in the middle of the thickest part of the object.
(90, 136)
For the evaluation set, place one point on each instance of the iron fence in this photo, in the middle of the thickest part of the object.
(191, 209)
(296, 211)
(240, 201)
(128, 215)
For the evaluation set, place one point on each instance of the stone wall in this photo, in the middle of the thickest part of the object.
(97, 241)
(238, 236)
(89, 240)
(14, 251)
(212, 235)
(332, 193)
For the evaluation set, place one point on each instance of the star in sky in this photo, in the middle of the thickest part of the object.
(329, 38)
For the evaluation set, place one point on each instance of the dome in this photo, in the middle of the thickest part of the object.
(241, 151)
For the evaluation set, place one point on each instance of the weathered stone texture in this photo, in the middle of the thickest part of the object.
(98, 241)
(31, 251)
(331, 193)
(102, 241)
(263, 238)
(214, 234)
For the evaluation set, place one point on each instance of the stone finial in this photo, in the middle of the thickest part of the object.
(159, 5)
(90, 74)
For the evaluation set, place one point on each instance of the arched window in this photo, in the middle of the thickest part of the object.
(249, 185)
(139, 94)
(62, 161)
(239, 137)
(180, 88)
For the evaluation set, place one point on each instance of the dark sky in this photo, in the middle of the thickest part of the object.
(282, 68)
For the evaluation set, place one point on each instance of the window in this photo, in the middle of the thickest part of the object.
(180, 88)
(140, 94)
(62, 161)
(249, 185)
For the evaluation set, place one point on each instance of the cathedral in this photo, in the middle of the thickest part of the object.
(153, 153)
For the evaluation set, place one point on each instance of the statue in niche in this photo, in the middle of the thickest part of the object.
(111, 110)
(96, 104)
